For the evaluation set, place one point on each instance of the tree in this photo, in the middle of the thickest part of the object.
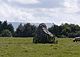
(11, 28)
(6, 33)
(4, 25)
(33, 28)
(74, 28)
(65, 30)
(19, 31)
(0, 27)
(26, 30)
(29, 30)
(55, 29)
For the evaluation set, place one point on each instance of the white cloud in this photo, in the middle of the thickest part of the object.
(25, 1)
(13, 14)
(71, 6)
(38, 15)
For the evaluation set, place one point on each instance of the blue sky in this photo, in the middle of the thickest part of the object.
(39, 11)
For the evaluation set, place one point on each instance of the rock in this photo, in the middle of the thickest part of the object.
(76, 39)
(42, 35)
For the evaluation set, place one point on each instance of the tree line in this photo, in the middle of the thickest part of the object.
(23, 30)
(65, 30)
(28, 30)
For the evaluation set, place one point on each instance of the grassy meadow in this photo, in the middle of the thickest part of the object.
(23, 47)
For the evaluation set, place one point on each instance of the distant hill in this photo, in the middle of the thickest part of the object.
(16, 24)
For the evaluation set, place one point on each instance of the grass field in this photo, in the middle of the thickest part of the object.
(23, 47)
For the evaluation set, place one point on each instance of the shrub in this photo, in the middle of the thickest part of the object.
(6, 33)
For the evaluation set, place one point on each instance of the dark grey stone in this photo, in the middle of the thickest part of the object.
(42, 35)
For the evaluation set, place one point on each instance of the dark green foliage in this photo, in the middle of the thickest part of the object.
(0, 27)
(26, 30)
(65, 30)
(6, 33)
(19, 31)
(56, 30)
(11, 28)
(42, 35)
(29, 30)
(4, 26)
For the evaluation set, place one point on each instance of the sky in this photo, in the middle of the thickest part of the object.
(40, 11)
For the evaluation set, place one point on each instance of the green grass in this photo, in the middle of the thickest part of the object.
(23, 47)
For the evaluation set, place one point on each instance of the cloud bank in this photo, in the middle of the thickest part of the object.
(40, 11)
(24, 1)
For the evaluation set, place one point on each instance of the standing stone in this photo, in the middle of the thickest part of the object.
(42, 35)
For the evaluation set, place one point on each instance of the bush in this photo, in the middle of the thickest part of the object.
(6, 33)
